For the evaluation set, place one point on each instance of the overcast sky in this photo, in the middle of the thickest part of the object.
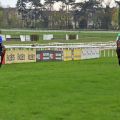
(12, 3)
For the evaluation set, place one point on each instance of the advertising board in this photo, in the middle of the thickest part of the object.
(48, 55)
(25, 38)
(8, 37)
(20, 55)
(48, 37)
(77, 54)
(67, 54)
(89, 53)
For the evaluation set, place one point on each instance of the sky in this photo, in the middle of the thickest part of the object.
(12, 3)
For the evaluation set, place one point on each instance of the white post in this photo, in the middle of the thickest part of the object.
(104, 53)
(112, 53)
(115, 53)
(108, 52)
(100, 53)
(77, 37)
(67, 37)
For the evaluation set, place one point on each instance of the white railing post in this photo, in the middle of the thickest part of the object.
(112, 52)
(108, 52)
(104, 53)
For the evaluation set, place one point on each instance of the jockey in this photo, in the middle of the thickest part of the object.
(1, 45)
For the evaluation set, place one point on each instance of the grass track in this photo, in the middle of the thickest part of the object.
(60, 37)
(75, 90)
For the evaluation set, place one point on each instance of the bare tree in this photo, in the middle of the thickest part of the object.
(118, 3)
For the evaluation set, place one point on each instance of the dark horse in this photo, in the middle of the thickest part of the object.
(118, 49)
(118, 54)
(2, 51)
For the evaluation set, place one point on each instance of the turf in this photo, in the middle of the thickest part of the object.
(75, 90)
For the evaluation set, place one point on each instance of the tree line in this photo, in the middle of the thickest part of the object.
(88, 14)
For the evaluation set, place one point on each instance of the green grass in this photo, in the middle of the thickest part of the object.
(60, 37)
(75, 90)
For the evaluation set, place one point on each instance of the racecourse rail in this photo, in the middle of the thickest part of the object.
(57, 52)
